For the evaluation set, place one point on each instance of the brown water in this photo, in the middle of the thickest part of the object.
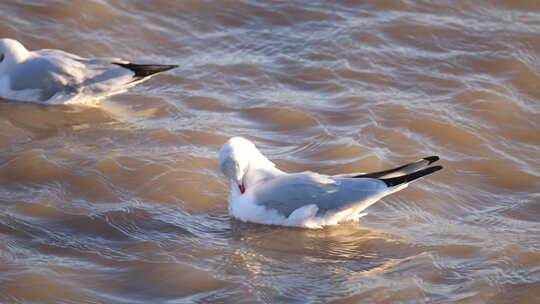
(123, 203)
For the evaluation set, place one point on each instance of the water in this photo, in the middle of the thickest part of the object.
(123, 203)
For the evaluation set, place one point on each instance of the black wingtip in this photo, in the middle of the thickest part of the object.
(395, 181)
(433, 169)
(431, 159)
(145, 70)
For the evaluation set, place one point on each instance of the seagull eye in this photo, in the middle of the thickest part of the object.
(1, 57)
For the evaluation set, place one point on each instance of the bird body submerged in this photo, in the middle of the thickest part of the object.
(55, 76)
(263, 194)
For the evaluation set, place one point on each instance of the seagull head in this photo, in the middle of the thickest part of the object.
(237, 156)
(11, 52)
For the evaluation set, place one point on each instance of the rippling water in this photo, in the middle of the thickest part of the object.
(123, 203)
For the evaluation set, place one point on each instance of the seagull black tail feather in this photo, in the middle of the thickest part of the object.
(402, 170)
(395, 181)
(145, 70)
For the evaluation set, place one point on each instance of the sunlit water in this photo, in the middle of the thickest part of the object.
(123, 203)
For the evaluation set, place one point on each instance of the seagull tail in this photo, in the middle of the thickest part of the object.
(396, 181)
(145, 70)
(403, 170)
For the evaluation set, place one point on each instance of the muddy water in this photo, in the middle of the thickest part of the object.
(123, 203)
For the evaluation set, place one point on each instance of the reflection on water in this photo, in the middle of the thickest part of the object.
(41, 120)
(122, 202)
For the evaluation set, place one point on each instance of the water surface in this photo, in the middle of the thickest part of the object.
(123, 203)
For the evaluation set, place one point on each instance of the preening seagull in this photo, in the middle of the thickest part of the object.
(261, 193)
(55, 76)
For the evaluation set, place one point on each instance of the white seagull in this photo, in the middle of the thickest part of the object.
(55, 76)
(261, 193)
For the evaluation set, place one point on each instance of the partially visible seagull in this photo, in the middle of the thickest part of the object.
(55, 76)
(261, 193)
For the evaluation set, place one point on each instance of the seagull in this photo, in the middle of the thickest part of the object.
(54, 76)
(264, 194)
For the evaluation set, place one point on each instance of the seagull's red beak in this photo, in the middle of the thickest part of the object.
(242, 188)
